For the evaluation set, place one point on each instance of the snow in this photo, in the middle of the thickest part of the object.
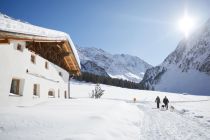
(193, 82)
(186, 68)
(190, 119)
(118, 76)
(122, 66)
(112, 117)
(77, 119)
(133, 75)
(165, 125)
(127, 76)
(11, 25)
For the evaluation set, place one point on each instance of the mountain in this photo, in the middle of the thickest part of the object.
(122, 66)
(91, 67)
(186, 69)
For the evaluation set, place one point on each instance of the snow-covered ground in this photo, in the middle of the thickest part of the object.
(77, 119)
(189, 120)
(115, 116)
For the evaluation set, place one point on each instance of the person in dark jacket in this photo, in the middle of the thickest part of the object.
(157, 100)
(166, 101)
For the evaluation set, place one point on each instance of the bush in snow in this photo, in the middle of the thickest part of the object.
(98, 92)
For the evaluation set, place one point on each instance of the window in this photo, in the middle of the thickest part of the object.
(19, 47)
(65, 94)
(15, 87)
(36, 90)
(58, 93)
(33, 59)
(60, 73)
(46, 65)
(51, 94)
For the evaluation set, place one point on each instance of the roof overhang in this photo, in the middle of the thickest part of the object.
(60, 47)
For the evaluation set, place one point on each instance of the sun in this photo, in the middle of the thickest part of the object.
(186, 25)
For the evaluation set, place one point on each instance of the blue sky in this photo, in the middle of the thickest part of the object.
(144, 28)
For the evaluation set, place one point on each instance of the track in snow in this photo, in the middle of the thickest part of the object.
(166, 125)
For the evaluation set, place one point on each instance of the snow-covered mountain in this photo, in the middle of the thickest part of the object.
(187, 69)
(122, 66)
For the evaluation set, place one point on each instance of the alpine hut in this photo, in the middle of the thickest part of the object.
(36, 63)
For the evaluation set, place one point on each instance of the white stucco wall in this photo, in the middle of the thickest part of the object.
(15, 63)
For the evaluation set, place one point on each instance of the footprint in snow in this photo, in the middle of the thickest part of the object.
(1, 129)
(67, 139)
(96, 118)
(183, 111)
(198, 116)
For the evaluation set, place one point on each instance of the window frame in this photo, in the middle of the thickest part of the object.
(52, 95)
(19, 47)
(46, 65)
(33, 58)
(60, 74)
(36, 90)
(17, 88)
(65, 94)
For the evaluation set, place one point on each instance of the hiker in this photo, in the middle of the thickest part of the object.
(157, 100)
(166, 101)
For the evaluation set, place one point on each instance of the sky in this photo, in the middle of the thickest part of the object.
(144, 28)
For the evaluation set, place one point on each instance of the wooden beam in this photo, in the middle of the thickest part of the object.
(73, 59)
(4, 41)
(63, 49)
(63, 54)
(58, 53)
(29, 37)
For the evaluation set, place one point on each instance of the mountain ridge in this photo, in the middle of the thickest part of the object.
(121, 66)
(186, 69)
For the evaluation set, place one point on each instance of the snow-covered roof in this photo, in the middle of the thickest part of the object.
(11, 25)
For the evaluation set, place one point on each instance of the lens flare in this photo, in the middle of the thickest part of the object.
(186, 25)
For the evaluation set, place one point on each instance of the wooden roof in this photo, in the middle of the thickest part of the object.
(56, 50)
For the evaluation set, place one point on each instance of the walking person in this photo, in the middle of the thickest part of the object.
(166, 101)
(157, 100)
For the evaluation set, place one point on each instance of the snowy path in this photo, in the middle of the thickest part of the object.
(165, 125)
